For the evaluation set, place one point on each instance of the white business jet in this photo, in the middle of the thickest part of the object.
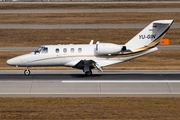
(89, 56)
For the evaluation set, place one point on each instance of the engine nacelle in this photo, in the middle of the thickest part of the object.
(107, 48)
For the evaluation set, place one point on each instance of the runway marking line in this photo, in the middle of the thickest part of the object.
(122, 81)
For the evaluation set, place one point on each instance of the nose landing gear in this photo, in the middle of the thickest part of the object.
(27, 72)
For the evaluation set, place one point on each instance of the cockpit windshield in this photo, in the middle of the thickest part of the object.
(41, 50)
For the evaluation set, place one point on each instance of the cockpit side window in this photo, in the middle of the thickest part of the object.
(41, 50)
(37, 51)
(45, 50)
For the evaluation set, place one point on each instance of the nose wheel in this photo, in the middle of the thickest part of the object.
(27, 72)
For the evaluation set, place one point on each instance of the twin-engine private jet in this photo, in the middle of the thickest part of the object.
(89, 56)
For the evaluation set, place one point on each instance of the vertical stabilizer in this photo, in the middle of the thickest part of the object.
(150, 36)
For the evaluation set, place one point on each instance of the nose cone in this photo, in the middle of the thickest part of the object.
(10, 62)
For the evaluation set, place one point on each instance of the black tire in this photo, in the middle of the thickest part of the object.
(27, 72)
(88, 73)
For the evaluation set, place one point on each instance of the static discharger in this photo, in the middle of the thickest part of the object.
(165, 42)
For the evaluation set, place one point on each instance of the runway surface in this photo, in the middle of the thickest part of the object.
(75, 26)
(59, 83)
(168, 47)
(31, 11)
(120, 2)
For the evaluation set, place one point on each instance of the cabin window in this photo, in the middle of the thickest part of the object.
(45, 50)
(65, 50)
(72, 50)
(79, 50)
(57, 50)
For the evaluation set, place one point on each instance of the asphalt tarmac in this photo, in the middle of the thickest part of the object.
(120, 2)
(146, 10)
(76, 26)
(60, 83)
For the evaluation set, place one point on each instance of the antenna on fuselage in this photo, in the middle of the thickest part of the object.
(97, 42)
(91, 42)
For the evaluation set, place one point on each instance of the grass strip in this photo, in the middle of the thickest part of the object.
(87, 18)
(89, 108)
(35, 37)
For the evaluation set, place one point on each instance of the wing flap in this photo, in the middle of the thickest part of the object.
(82, 64)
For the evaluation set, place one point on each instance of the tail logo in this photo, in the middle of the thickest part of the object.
(147, 36)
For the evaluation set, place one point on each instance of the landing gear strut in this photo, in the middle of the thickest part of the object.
(27, 72)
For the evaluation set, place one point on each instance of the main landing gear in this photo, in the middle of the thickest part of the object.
(27, 72)
(87, 68)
